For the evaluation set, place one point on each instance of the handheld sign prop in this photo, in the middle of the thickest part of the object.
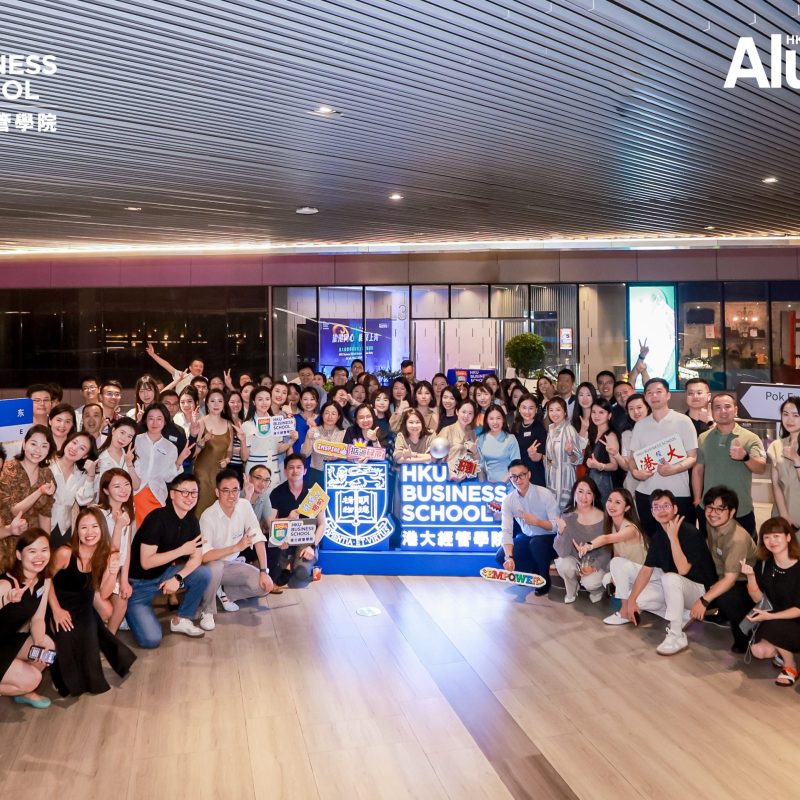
(292, 531)
(467, 466)
(16, 417)
(349, 451)
(664, 451)
(517, 578)
(275, 426)
(315, 502)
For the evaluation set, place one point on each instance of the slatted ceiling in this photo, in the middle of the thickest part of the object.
(497, 120)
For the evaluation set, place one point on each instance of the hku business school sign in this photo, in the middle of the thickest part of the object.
(747, 63)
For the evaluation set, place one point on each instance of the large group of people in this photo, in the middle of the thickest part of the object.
(104, 508)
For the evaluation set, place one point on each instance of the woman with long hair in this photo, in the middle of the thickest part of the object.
(597, 456)
(636, 408)
(27, 487)
(484, 399)
(783, 457)
(308, 413)
(462, 441)
(545, 391)
(364, 428)
(118, 452)
(777, 579)
(497, 446)
(73, 469)
(563, 453)
(84, 567)
(235, 406)
(330, 429)
(413, 443)
(116, 502)
(448, 402)
(402, 399)
(381, 401)
(62, 421)
(213, 450)
(531, 437)
(24, 591)
(585, 396)
(145, 393)
(582, 523)
(259, 445)
(438, 383)
(424, 402)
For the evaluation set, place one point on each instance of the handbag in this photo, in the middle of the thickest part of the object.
(747, 626)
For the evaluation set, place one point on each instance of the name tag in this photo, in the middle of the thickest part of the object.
(173, 439)
(527, 433)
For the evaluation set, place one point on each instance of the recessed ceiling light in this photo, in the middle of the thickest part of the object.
(306, 210)
(133, 208)
(395, 196)
(770, 179)
(709, 228)
(326, 111)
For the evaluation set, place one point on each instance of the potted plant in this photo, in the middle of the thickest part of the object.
(526, 354)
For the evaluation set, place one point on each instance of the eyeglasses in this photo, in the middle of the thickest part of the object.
(187, 492)
(518, 476)
(228, 491)
(716, 509)
(661, 506)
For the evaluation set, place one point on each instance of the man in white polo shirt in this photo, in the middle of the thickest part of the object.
(228, 527)
(674, 475)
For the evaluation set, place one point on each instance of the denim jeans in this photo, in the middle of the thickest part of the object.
(532, 554)
(143, 622)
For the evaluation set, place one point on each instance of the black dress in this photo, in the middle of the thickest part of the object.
(782, 588)
(12, 617)
(77, 666)
(526, 435)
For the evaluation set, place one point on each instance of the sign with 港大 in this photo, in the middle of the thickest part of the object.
(437, 514)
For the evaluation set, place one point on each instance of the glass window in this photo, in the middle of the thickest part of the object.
(295, 331)
(603, 334)
(509, 301)
(785, 318)
(247, 331)
(700, 333)
(468, 302)
(554, 317)
(430, 302)
(387, 329)
(341, 326)
(746, 333)
(11, 342)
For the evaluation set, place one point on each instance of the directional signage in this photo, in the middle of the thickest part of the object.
(764, 400)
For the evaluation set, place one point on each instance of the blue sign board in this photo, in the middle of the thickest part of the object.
(357, 516)
(16, 417)
(471, 375)
(440, 515)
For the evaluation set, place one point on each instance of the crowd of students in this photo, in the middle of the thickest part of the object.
(102, 511)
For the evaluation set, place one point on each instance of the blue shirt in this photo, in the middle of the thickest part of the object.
(538, 501)
(497, 452)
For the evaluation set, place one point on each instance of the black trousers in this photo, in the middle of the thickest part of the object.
(649, 525)
(734, 606)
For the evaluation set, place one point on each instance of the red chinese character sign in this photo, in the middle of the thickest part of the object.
(669, 450)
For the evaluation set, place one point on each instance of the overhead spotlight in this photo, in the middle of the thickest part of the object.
(770, 179)
(395, 196)
(133, 208)
(307, 210)
(709, 228)
(326, 111)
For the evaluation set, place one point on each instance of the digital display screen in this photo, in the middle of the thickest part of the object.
(652, 324)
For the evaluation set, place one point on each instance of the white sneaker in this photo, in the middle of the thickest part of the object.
(673, 643)
(227, 604)
(570, 598)
(207, 622)
(597, 596)
(185, 626)
(616, 619)
(123, 626)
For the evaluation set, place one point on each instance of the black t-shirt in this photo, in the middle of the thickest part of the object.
(700, 426)
(175, 434)
(780, 585)
(165, 529)
(283, 501)
(694, 548)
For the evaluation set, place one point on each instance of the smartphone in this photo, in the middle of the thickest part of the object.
(637, 617)
(37, 653)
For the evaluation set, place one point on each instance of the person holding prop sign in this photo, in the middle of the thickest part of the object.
(535, 511)
(292, 565)
(463, 442)
(258, 446)
(331, 429)
(364, 428)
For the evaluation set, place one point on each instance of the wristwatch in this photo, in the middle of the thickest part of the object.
(178, 577)
(746, 457)
(264, 570)
(704, 602)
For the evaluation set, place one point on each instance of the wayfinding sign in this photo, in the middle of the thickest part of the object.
(764, 400)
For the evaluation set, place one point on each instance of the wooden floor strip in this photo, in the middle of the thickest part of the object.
(516, 759)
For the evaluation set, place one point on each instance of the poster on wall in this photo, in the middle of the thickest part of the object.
(651, 323)
(342, 340)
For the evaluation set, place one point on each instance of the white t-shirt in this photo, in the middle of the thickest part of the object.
(647, 431)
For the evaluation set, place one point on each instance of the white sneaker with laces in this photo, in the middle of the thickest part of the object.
(207, 622)
(616, 619)
(227, 604)
(673, 643)
(185, 626)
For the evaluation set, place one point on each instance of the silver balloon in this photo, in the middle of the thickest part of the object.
(440, 447)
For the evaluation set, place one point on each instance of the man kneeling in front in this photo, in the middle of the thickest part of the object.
(228, 527)
(675, 574)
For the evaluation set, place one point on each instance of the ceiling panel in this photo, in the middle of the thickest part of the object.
(495, 120)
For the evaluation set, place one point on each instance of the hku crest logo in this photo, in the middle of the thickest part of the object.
(357, 514)
(747, 63)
